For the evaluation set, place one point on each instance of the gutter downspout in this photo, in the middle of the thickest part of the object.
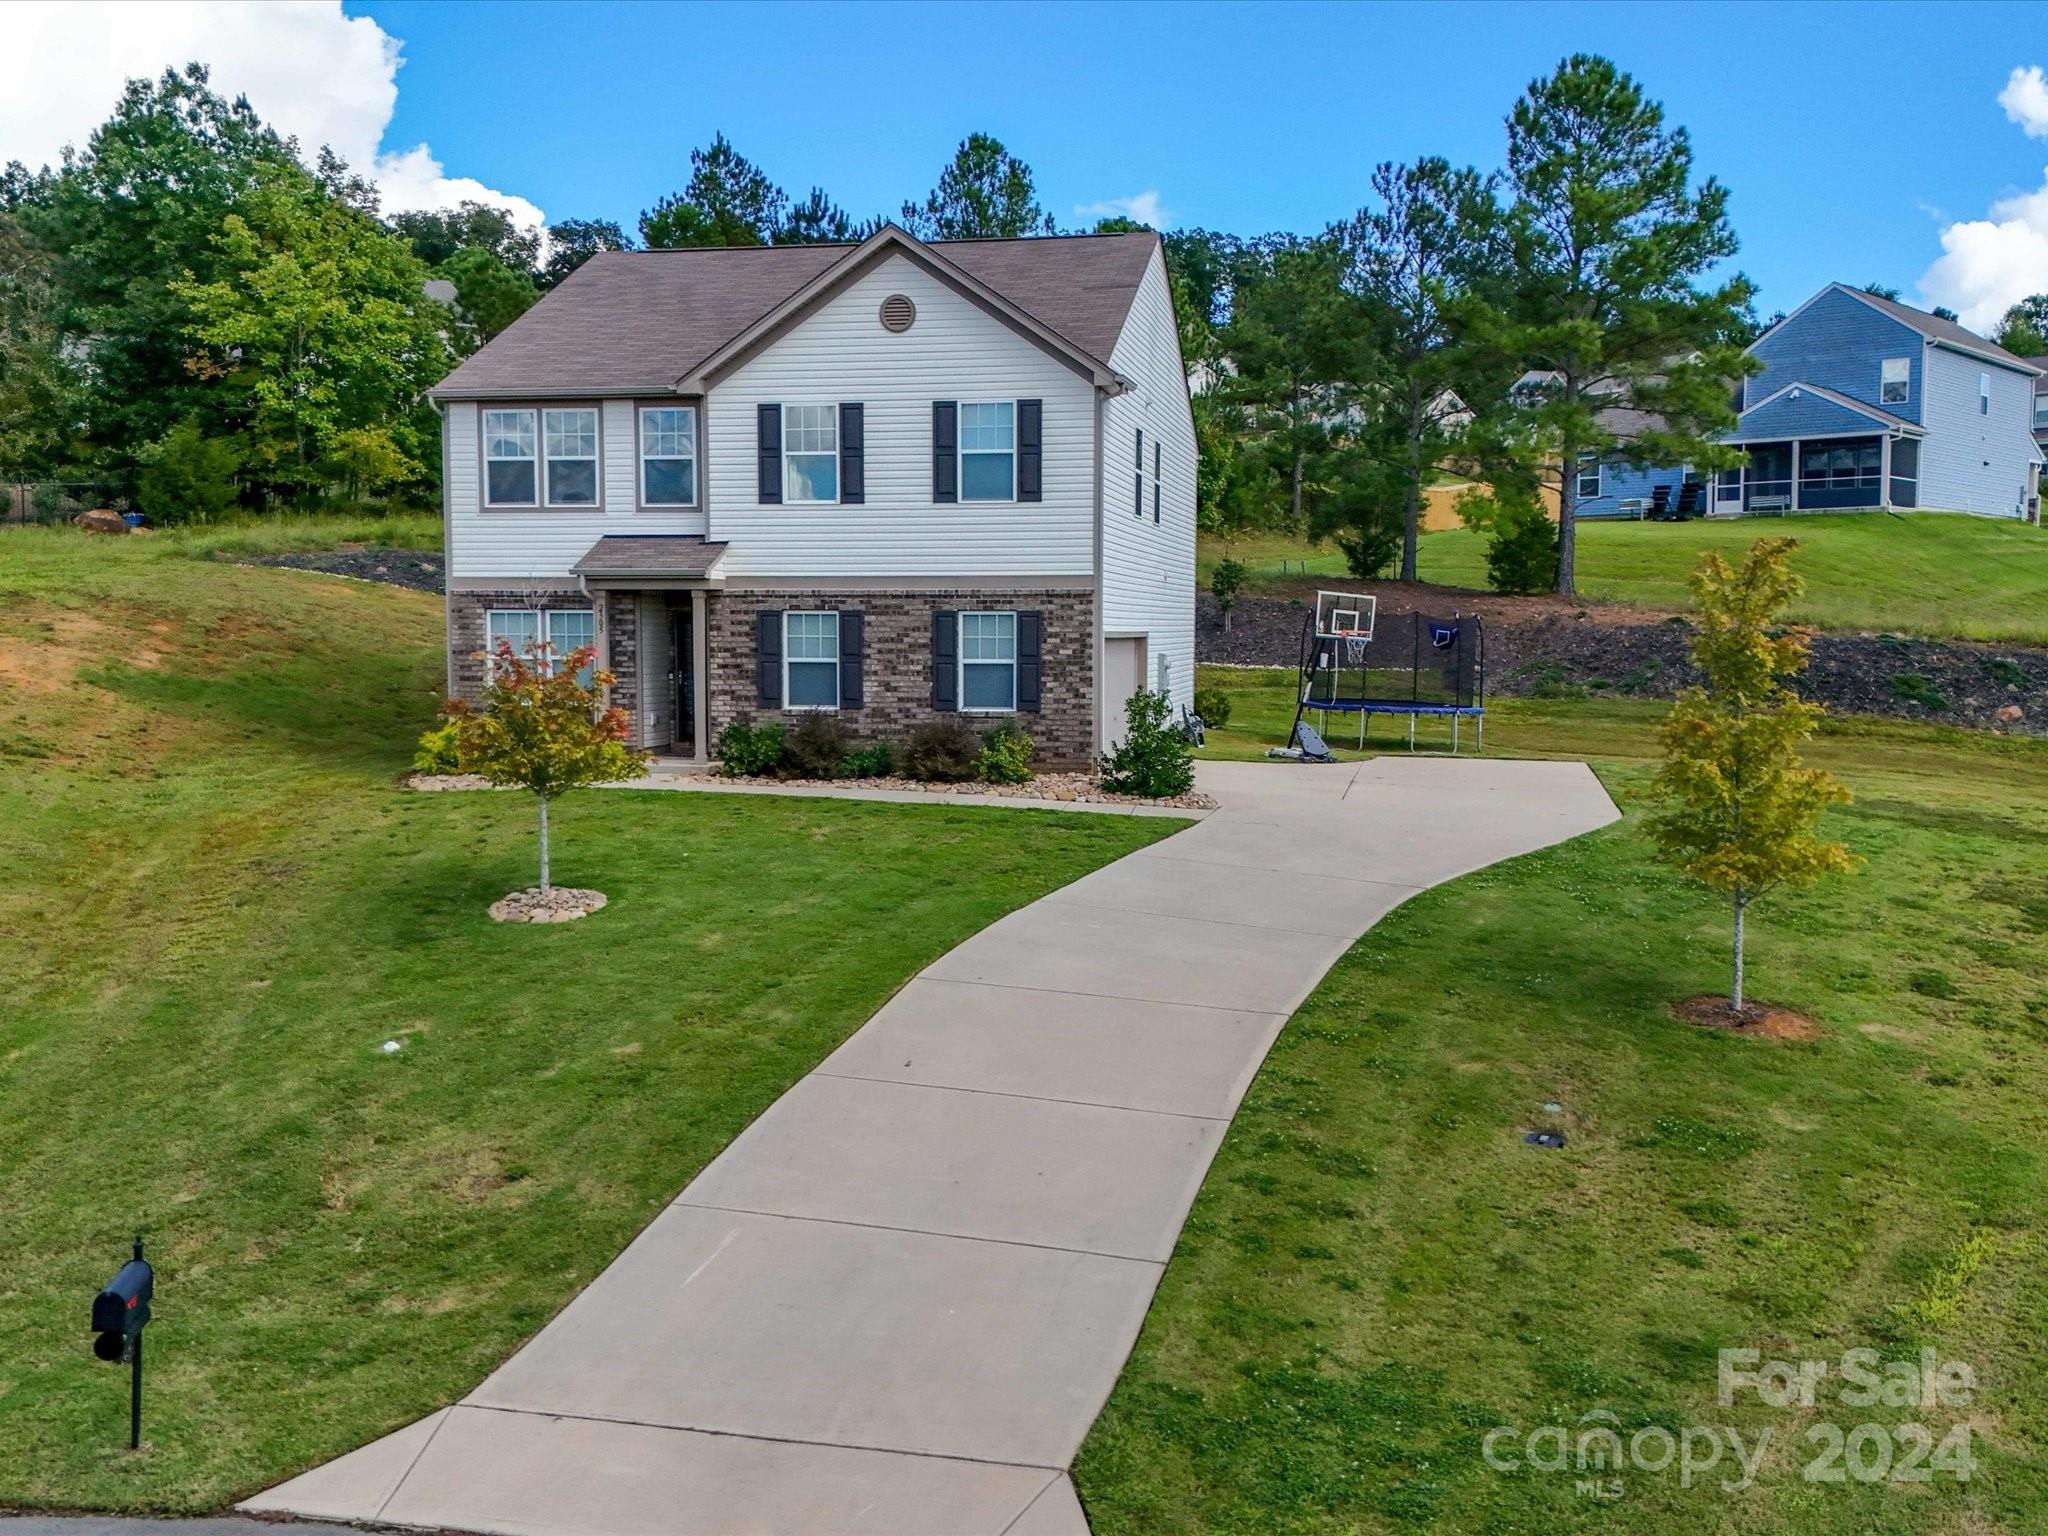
(1097, 727)
(447, 561)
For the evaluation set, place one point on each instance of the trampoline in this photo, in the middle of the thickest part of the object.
(1412, 665)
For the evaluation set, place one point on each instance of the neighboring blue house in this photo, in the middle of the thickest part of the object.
(1862, 402)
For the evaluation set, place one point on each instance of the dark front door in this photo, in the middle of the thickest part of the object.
(681, 678)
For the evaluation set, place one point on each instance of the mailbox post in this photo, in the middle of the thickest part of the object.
(119, 1314)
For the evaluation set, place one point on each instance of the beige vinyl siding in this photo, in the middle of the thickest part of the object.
(544, 544)
(1148, 569)
(954, 351)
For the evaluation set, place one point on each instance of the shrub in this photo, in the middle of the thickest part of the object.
(189, 478)
(1006, 754)
(1521, 545)
(1225, 582)
(875, 761)
(817, 748)
(748, 751)
(1213, 705)
(1155, 760)
(437, 751)
(943, 752)
(1917, 688)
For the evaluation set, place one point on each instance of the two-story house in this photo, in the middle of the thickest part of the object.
(1866, 402)
(898, 480)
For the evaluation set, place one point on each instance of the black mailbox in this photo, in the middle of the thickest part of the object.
(119, 1311)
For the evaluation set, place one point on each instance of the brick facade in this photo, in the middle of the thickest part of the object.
(469, 631)
(897, 675)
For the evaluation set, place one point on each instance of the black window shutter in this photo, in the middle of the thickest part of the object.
(853, 479)
(1138, 464)
(1030, 658)
(1031, 450)
(945, 450)
(768, 658)
(945, 660)
(769, 422)
(1155, 479)
(852, 649)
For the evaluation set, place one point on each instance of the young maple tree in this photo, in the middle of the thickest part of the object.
(538, 728)
(1739, 808)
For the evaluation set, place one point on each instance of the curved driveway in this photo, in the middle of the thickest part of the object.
(897, 1301)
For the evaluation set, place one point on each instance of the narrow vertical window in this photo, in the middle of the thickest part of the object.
(1983, 394)
(1894, 381)
(1587, 485)
(1155, 479)
(1138, 463)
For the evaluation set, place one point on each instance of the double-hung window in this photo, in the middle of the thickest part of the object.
(988, 450)
(2041, 413)
(988, 662)
(1587, 484)
(571, 442)
(566, 629)
(1895, 381)
(511, 459)
(810, 660)
(810, 453)
(668, 456)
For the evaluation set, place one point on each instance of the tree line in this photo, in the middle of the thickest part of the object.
(189, 308)
(195, 316)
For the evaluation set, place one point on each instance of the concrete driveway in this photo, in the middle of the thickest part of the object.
(898, 1300)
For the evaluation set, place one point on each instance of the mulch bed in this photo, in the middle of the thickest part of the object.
(1067, 788)
(1765, 1021)
(420, 569)
(1550, 648)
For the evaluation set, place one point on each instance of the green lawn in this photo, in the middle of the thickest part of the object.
(1931, 574)
(1378, 1271)
(218, 906)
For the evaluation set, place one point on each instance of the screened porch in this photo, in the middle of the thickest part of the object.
(1823, 474)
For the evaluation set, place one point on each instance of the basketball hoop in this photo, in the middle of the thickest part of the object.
(1354, 644)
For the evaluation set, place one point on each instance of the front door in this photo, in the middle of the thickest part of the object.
(682, 653)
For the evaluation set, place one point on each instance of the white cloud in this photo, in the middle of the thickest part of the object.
(2025, 99)
(309, 70)
(1988, 265)
(1144, 208)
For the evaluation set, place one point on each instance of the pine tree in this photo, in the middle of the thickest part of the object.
(728, 202)
(985, 193)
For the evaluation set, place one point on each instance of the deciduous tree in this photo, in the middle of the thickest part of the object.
(1739, 811)
(1609, 244)
(488, 294)
(574, 241)
(541, 730)
(2024, 330)
(435, 234)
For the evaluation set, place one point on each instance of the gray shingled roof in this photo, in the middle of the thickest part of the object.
(640, 320)
(2040, 384)
(648, 554)
(1937, 328)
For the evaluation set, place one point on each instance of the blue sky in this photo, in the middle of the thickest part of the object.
(1240, 117)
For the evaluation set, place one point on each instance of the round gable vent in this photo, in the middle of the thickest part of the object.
(898, 312)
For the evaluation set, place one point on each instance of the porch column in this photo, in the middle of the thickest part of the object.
(1795, 474)
(1884, 472)
(700, 675)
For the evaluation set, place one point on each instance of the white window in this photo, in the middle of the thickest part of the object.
(1894, 381)
(668, 456)
(570, 629)
(810, 660)
(2040, 413)
(988, 662)
(1983, 394)
(810, 453)
(988, 450)
(571, 438)
(511, 459)
(1155, 479)
(566, 629)
(1587, 484)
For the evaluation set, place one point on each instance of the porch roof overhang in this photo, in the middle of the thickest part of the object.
(1804, 410)
(651, 560)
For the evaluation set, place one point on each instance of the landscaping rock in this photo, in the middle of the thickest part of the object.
(1542, 648)
(1078, 788)
(563, 904)
(419, 569)
(101, 520)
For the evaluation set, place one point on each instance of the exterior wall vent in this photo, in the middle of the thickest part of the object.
(898, 312)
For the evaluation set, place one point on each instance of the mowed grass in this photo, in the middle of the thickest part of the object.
(218, 906)
(1935, 574)
(1378, 1270)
